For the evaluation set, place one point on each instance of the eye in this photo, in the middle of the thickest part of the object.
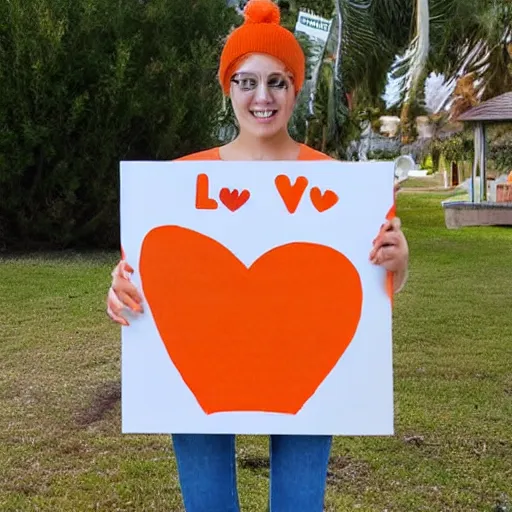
(245, 83)
(278, 82)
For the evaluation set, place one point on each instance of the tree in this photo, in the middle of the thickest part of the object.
(467, 39)
(474, 37)
(87, 83)
(355, 63)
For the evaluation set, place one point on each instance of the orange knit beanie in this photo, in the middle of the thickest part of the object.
(261, 32)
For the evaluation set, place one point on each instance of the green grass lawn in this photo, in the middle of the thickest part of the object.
(430, 181)
(60, 442)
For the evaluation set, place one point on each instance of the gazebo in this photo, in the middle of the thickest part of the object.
(479, 211)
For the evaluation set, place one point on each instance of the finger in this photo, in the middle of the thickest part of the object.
(114, 308)
(123, 269)
(384, 227)
(126, 270)
(396, 224)
(128, 301)
(389, 238)
(122, 286)
(117, 318)
(389, 225)
(392, 224)
(392, 257)
(117, 269)
(113, 302)
(386, 256)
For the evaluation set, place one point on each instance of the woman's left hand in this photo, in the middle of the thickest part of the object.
(391, 251)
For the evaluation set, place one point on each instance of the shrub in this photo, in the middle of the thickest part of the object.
(500, 149)
(87, 83)
(383, 154)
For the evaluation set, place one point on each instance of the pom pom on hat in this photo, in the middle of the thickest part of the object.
(262, 11)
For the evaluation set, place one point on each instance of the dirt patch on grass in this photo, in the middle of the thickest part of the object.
(346, 470)
(254, 462)
(104, 400)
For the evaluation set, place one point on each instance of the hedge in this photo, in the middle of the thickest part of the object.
(87, 83)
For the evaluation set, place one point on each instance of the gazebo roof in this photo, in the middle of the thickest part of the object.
(498, 108)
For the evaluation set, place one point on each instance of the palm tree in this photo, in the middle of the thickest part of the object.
(463, 39)
(355, 61)
(412, 38)
(476, 40)
(363, 41)
(415, 59)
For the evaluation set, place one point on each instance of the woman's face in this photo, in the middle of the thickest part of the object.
(263, 96)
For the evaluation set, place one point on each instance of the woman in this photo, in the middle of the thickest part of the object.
(262, 69)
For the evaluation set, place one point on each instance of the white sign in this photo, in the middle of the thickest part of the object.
(263, 314)
(313, 25)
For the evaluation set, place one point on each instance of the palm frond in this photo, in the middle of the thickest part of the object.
(409, 67)
(474, 42)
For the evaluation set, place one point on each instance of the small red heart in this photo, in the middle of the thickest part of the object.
(323, 202)
(232, 199)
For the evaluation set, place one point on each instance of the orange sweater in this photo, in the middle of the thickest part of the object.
(306, 153)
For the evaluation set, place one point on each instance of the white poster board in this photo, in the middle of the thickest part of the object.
(263, 313)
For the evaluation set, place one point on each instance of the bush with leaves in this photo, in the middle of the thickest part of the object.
(457, 147)
(500, 148)
(383, 154)
(87, 83)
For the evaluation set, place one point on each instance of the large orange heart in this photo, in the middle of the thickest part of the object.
(261, 338)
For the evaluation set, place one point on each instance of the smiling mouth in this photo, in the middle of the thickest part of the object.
(263, 114)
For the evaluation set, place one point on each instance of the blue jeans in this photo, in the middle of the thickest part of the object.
(207, 472)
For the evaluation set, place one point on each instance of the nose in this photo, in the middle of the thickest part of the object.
(263, 93)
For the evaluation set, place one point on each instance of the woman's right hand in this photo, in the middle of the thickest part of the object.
(122, 294)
